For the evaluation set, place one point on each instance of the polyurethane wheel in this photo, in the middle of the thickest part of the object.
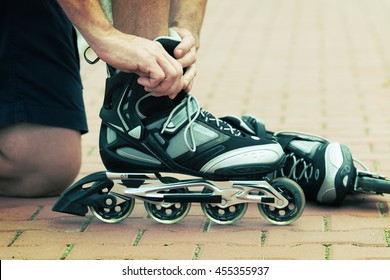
(109, 207)
(113, 213)
(167, 212)
(296, 203)
(223, 215)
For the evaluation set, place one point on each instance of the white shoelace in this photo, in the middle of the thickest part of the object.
(307, 169)
(315, 136)
(191, 144)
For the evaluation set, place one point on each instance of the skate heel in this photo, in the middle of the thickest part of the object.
(66, 205)
(76, 199)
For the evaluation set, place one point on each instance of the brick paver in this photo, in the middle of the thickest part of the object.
(321, 66)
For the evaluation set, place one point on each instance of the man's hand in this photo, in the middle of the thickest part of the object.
(185, 53)
(159, 73)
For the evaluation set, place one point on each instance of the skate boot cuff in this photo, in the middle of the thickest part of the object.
(169, 42)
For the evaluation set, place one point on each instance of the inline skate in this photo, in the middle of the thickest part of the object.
(148, 144)
(325, 170)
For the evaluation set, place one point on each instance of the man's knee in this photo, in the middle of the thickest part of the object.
(38, 161)
(38, 184)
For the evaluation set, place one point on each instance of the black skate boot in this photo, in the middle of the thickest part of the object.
(325, 170)
(143, 137)
(143, 133)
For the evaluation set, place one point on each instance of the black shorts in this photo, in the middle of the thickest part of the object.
(39, 66)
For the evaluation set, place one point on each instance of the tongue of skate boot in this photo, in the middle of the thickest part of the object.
(152, 109)
(149, 106)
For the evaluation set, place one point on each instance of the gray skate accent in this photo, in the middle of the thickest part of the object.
(266, 154)
(156, 125)
(118, 109)
(117, 127)
(181, 116)
(137, 107)
(126, 109)
(333, 162)
(136, 155)
(111, 135)
(308, 147)
(202, 135)
(135, 132)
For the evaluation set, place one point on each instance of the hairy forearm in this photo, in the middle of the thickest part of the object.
(188, 14)
(89, 18)
(158, 71)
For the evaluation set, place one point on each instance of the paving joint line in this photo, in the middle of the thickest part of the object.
(141, 233)
(17, 235)
(69, 248)
(36, 212)
(327, 251)
(198, 248)
(326, 223)
(207, 225)
(263, 238)
(86, 224)
(387, 237)
(19, 232)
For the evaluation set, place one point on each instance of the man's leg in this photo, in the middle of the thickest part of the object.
(37, 160)
(144, 18)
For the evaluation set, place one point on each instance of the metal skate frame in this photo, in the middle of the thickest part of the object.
(382, 187)
(258, 191)
(110, 196)
(379, 183)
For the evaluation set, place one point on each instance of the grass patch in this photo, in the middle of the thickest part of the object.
(17, 235)
(86, 224)
(32, 217)
(207, 226)
(326, 223)
(263, 238)
(196, 253)
(387, 236)
(382, 209)
(69, 248)
(327, 251)
(139, 236)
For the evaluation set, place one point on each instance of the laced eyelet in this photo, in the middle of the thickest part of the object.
(191, 144)
(307, 169)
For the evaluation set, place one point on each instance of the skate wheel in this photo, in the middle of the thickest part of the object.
(114, 212)
(289, 214)
(168, 213)
(109, 207)
(223, 215)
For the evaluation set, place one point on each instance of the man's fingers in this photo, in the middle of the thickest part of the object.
(186, 44)
(189, 77)
(167, 88)
(188, 59)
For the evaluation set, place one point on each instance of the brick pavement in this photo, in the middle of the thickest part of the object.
(309, 65)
